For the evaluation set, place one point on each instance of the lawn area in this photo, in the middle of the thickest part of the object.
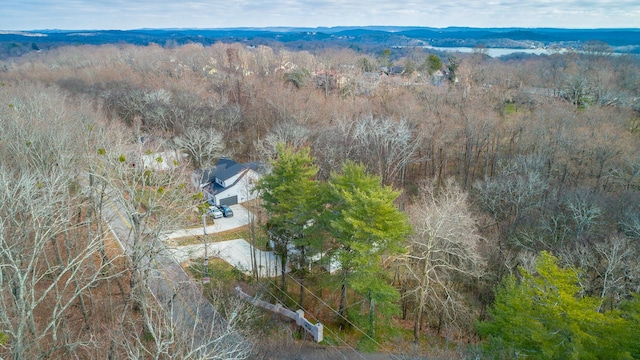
(243, 232)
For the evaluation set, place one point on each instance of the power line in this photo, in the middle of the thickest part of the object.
(315, 318)
(335, 335)
(338, 313)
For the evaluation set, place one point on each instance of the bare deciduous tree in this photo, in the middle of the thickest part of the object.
(618, 262)
(49, 255)
(386, 146)
(519, 187)
(204, 146)
(164, 335)
(293, 135)
(443, 250)
(610, 269)
(630, 224)
(584, 211)
(46, 270)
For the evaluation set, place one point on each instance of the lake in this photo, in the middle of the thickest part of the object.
(493, 52)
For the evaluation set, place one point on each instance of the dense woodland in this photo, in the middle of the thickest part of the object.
(479, 206)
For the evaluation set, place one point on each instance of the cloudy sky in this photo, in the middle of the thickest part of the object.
(134, 14)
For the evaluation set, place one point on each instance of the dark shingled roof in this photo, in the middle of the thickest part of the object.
(225, 169)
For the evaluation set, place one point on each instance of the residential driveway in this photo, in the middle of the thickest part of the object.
(240, 218)
(235, 252)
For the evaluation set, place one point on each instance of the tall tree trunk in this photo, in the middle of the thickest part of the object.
(416, 325)
(372, 331)
(424, 288)
(283, 265)
(342, 308)
(303, 265)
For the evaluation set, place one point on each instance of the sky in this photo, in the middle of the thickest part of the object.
(136, 14)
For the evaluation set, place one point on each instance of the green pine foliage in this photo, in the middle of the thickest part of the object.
(367, 227)
(352, 217)
(630, 311)
(291, 196)
(288, 191)
(543, 315)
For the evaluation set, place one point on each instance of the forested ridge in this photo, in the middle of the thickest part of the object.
(480, 208)
(363, 39)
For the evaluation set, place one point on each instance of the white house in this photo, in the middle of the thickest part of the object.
(162, 161)
(229, 182)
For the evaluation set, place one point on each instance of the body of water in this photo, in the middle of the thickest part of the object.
(493, 52)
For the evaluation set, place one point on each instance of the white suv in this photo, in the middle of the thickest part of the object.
(214, 212)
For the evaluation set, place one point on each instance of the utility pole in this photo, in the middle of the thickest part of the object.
(205, 275)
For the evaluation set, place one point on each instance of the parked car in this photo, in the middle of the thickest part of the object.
(215, 212)
(226, 211)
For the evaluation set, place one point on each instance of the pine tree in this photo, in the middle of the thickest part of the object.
(544, 316)
(291, 196)
(367, 227)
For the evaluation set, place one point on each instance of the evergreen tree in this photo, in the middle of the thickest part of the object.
(544, 316)
(291, 196)
(367, 227)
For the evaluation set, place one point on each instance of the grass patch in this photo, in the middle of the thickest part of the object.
(237, 233)
(634, 125)
(242, 232)
(510, 108)
(218, 269)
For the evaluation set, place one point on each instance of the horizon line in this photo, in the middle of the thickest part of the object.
(16, 32)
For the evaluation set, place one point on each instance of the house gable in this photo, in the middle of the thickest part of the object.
(230, 179)
(226, 172)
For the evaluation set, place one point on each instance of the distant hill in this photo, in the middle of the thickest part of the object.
(359, 38)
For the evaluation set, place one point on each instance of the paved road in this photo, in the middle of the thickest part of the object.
(171, 286)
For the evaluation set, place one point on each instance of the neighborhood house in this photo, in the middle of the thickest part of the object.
(162, 161)
(229, 182)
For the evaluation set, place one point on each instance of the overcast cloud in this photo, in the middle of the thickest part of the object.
(134, 14)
